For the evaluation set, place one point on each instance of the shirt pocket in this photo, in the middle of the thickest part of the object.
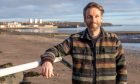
(108, 56)
(108, 50)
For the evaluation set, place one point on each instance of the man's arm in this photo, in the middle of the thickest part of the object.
(48, 57)
(121, 66)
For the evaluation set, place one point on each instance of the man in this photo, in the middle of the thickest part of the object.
(98, 56)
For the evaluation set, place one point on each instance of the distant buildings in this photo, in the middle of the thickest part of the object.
(39, 23)
(11, 25)
(32, 23)
(30, 20)
(35, 21)
(2, 26)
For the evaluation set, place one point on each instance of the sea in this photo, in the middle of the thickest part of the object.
(75, 30)
(132, 28)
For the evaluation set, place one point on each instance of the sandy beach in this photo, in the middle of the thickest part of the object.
(20, 49)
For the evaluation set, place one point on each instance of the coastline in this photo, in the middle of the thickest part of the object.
(124, 36)
(20, 49)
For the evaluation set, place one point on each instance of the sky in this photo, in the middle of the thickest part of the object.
(116, 11)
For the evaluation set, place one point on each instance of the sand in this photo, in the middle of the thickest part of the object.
(20, 49)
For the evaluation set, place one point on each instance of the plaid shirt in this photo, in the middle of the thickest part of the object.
(107, 65)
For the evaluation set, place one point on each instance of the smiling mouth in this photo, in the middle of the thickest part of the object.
(94, 24)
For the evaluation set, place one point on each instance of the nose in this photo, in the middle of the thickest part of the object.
(93, 19)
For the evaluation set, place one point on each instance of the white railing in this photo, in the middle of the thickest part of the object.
(23, 67)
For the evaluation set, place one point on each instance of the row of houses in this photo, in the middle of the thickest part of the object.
(25, 25)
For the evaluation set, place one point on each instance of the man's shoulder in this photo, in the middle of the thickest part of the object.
(111, 34)
(77, 35)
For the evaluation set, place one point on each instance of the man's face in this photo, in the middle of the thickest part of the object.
(93, 18)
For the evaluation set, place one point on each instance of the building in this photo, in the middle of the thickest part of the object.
(3, 26)
(30, 20)
(14, 25)
(40, 21)
(36, 21)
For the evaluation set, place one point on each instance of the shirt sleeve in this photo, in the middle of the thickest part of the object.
(61, 49)
(121, 69)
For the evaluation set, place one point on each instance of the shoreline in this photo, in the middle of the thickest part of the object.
(124, 36)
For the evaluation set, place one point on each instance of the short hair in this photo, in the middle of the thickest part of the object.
(93, 4)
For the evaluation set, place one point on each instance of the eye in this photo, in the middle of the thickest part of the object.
(89, 16)
(97, 16)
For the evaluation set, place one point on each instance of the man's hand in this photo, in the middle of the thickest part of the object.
(47, 69)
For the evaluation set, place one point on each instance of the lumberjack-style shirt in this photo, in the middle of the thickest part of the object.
(99, 62)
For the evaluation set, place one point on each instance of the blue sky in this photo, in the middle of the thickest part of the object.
(116, 11)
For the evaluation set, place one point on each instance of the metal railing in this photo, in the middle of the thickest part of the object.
(23, 67)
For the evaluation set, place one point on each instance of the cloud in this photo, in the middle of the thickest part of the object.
(36, 8)
(121, 5)
(63, 9)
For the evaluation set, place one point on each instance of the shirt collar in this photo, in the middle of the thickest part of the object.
(85, 34)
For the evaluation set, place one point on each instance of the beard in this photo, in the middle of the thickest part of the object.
(93, 26)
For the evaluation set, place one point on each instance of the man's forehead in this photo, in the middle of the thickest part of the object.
(93, 10)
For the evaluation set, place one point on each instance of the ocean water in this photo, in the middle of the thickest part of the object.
(75, 30)
(123, 28)
(133, 46)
